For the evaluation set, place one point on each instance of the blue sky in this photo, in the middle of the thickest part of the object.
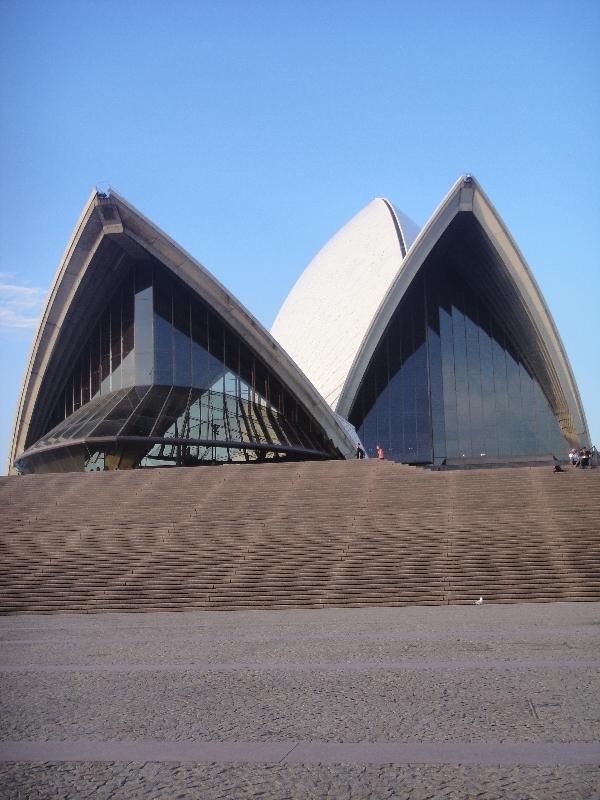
(251, 131)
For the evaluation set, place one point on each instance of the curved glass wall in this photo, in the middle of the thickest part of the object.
(450, 377)
(163, 380)
(147, 426)
(155, 331)
(118, 351)
(106, 457)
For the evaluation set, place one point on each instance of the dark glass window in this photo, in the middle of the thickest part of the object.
(216, 337)
(163, 329)
(182, 373)
(143, 336)
(199, 347)
(95, 363)
(85, 375)
(246, 372)
(261, 380)
(128, 333)
(115, 342)
(448, 379)
(77, 387)
(105, 352)
(488, 395)
(435, 374)
(159, 363)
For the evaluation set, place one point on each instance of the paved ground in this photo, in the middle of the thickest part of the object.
(454, 702)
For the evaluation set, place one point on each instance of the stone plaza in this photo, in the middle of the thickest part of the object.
(495, 701)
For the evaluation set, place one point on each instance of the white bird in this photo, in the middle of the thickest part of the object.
(479, 602)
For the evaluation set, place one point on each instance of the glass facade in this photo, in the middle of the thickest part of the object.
(148, 426)
(89, 458)
(116, 353)
(450, 378)
(163, 380)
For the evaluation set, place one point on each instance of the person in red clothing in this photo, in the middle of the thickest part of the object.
(380, 454)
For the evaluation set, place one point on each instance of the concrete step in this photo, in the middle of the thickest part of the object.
(312, 534)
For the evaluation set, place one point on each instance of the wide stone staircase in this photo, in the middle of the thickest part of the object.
(311, 534)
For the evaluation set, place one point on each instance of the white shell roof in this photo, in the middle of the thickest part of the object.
(324, 319)
(335, 315)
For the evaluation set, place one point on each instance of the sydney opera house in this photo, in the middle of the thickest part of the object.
(435, 345)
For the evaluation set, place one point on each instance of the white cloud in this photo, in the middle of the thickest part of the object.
(20, 306)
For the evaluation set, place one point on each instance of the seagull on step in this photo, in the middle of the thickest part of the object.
(479, 602)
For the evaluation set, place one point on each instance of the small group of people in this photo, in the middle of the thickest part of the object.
(580, 458)
(360, 453)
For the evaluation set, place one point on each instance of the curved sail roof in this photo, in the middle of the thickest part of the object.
(88, 271)
(340, 307)
(325, 317)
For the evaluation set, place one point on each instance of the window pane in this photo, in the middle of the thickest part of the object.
(144, 336)
(115, 342)
(105, 351)
(128, 333)
(182, 339)
(216, 336)
(199, 330)
(163, 329)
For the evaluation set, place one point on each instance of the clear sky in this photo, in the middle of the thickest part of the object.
(251, 131)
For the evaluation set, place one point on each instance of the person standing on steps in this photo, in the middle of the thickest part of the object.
(360, 453)
(573, 457)
(380, 453)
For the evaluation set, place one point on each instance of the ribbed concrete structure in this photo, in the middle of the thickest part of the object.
(312, 534)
